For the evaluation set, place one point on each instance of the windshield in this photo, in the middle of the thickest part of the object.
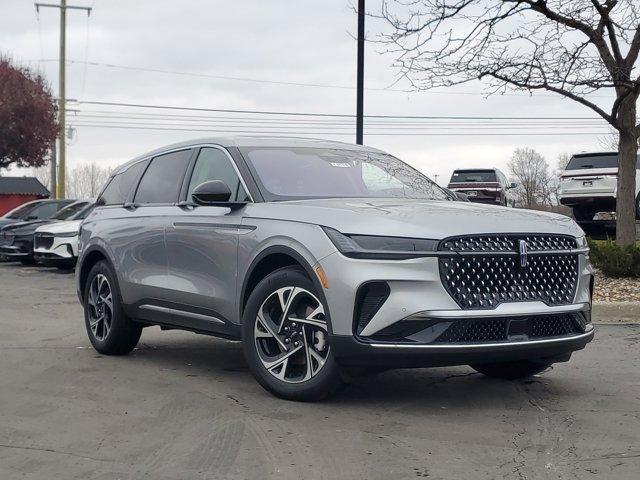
(473, 176)
(70, 211)
(298, 173)
(22, 210)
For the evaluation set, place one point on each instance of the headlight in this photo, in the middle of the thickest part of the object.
(67, 234)
(581, 242)
(375, 247)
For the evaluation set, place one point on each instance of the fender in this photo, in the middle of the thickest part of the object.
(86, 252)
(297, 256)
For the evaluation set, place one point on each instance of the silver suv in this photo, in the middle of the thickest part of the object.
(328, 260)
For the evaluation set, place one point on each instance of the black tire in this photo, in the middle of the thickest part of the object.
(326, 381)
(28, 261)
(583, 214)
(123, 333)
(511, 370)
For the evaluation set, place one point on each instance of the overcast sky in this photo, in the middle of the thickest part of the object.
(307, 42)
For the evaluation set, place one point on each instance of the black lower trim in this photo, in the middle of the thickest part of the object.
(183, 317)
(351, 352)
(608, 202)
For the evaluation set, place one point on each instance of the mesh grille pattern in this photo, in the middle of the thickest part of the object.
(6, 238)
(506, 243)
(498, 329)
(41, 240)
(483, 281)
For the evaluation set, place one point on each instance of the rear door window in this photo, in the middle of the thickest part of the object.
(118, 190)
(163, 178)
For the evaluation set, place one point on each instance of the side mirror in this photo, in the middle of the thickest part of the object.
(513, 185)
(214, 193)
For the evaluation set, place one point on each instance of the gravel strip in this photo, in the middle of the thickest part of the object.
(609, 289)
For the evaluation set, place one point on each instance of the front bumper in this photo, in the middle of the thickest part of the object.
(416, 292)
(13, 252)
(350, 351)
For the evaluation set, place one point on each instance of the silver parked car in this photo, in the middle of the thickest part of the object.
(328, 259)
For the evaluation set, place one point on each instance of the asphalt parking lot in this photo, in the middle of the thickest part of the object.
(184, 406)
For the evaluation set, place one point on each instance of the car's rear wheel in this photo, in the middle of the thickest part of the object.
(285, 337)
(511, 370)
(110, 331)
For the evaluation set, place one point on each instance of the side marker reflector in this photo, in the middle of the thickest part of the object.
(322, 277)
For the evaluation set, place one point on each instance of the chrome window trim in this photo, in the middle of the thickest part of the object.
(233, 163)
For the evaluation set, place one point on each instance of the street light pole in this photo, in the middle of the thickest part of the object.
(360, 75)
(59, 179)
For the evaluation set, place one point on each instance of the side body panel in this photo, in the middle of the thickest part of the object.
(202, 246)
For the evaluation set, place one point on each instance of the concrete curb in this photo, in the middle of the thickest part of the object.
(627, 313)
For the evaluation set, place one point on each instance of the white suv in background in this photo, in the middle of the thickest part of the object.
(56, 244)
(589, 184)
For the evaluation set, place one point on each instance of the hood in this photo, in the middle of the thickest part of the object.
(60, 227)
(23, 228)
(8, 221)
(415, 218)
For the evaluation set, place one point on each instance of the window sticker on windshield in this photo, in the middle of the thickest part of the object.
(341, 164)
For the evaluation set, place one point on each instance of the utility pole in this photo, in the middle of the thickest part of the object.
(53, 163)
(59, 180)
(360, 76)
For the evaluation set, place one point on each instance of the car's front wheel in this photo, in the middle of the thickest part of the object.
(583, 214)
(110, 331)
(511, 370)
(285, 337)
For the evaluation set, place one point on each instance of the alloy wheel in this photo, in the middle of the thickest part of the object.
(100, 303)
(291, 335)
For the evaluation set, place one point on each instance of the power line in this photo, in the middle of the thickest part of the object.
(236, 124)
(311, 114)
(299, 84)
(285, 133)
(132, 114)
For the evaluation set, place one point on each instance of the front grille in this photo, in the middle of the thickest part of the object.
(507, 243)
(6, 239)
(42, 240)
(485, 271)
(512, 329)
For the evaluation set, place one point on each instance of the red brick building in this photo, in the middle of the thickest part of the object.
(15, 191)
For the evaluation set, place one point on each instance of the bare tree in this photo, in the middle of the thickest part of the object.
(610, 142)
(570, 47)
(43, 174)
(86, 181)
(535, 182)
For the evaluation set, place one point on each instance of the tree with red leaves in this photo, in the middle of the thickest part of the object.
(28, 126)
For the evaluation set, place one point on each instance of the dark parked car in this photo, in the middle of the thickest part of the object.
(486, 185)
(16, 240)
(35, 210)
